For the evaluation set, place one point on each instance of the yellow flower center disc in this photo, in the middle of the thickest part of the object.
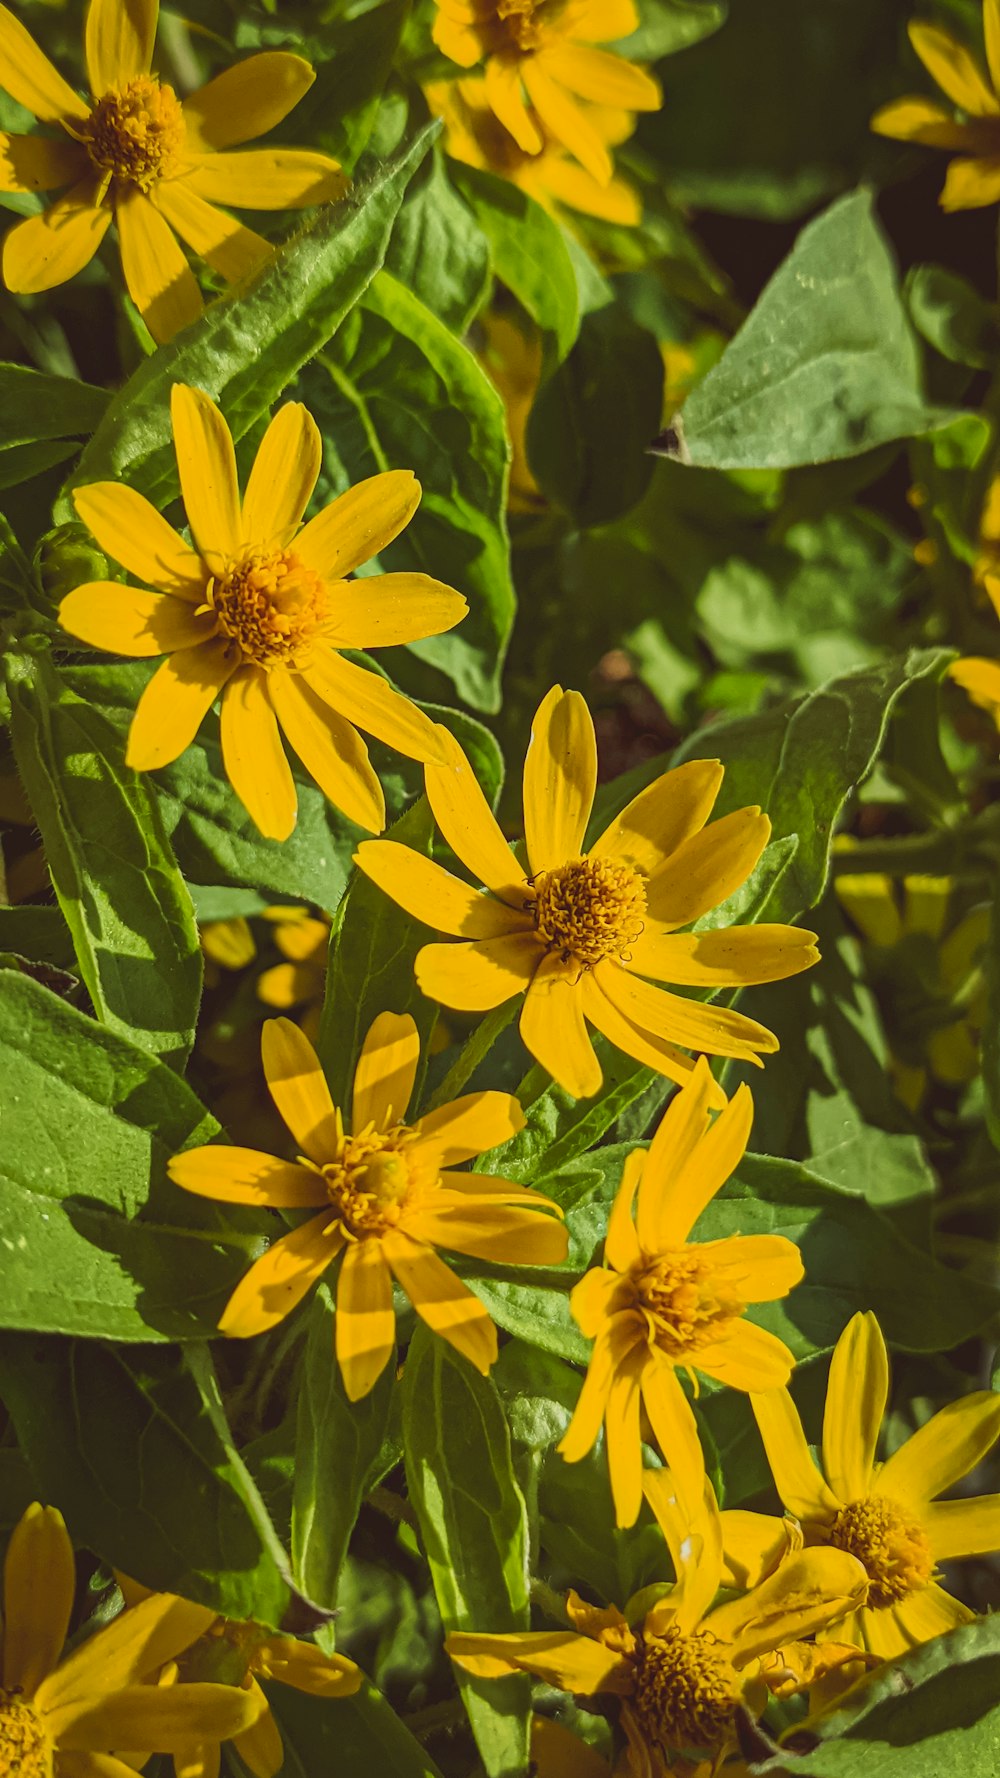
(372, 1180)
(271, 605)
(685, 1691)
(589, 909)
(520, 22)
(25, 1751)
(686, 1304)
(136, 135)
(889, 1543)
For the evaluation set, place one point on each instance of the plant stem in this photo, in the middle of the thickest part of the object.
(476, 1047)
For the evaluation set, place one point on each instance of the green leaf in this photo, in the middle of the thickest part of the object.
(353, 59)
(248, 346)
(438, 248)
(952, 316)
(670, 25)
(39, 934)
(129, 1445)
(991, 1024)
(111, 864)
(35, 406)
(528, 252)
(826, 365)
(473, 1527)
(340, 1453)
(96, 1239)
(357, 1737)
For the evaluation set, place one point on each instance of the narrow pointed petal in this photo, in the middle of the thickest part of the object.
(366, 699)
(467, 1127)
(664, 815)
(36, 163)
(430, 893)
(751, 1358)
(856, 1397)
(279, 1280)
(386, 1072)
(29, 77)
(118, 42)
(603, 78)
(882, 1635)
(972, 184)
(584, 1428)
(267, 178)
(707, 868)
(126, 620)
(159, 279)
(508, 1234)
(306, 1668)
(260, 1747)
(929, 1613)
(206, 462)
(447, 1305)
(246, 100)
(560, 1658)
(758, 1268)
(244, 1176)
(695, 1544)
(621, 1243)
(330, 748)
(571, 184)
(963, 1527)
(732, 957)
(174, 703)
(623, 1444)
(566, 120)
(627, 1036)
(39, 1585)
(130, 529)
(980, 678)
(706, 1172)
(675, 1430)
(554, 1030)
(139, 1641)
(473, 977)
(801, 1487)
(359, 524)
(384, 610)
(253, 756)
(469, 825)
(666, 1213)
(714, 1029)
(920, 120)
(943, 1450)
(283, 477)
(49, 249)
(560, 776)
(605, 21)
(593, 1299)
(299, 1089)
(991, 33)
(365, 1323)
(230, 248)
(956, 72)
(503, 90)
(169, 1716)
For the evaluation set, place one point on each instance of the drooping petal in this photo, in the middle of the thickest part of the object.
(177, 698)
(754, 1544)
(694, 1540)
(383, 610)
(584, 1428)
(246, 100)
(929, 1613)
(758, 1268)
(330, 748)
(652, 1051)
(430, 893)
(469, 825)
(566, 119)
(366, 699)
(244, 1176)
(359, 524)
(168, 1717)
(386, 1072)
(732, 957)
(139, 1641)
(947, 1447)
(684, 1170)
(39, 1585)
(970, 185)
(260, 1746)
(664, 815)
(230, 248)
(920, 120)
(560, 776)
(595, 1299)
(473, 977)
(750, 1358)
(812, 1589)
(118, 42)
(553, 1029)
(856, 1395)
(299, 1089)
(602, 78)
(963, 1527)
(956, 72)
(675, 1430)
(447, 1305)
(283, 477)
(29, 77)
(126, 620)
(48, 249)
(706, 869)
(267, 178)
(36, 163)
(280, 1278)
(466, 1127)
(560, 1658)
(801, 1487)
(306, 1668)
(255, 761)
(157, 275)
(129, 528)
(365, 1323)
(506, 101)
(623, 1443)
(621, 1243)
(510, 1234)
(206, 462)
(716, 1030)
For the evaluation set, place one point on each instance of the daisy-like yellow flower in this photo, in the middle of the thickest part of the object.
(974, 179)
(662, 1302)
(475, 135)
(257, 608)
(576, 933)
(66, 1717)
(300, 981)
(540, 61)
(154, 163)
(681, 1669)
(887, 1515)
(978, 675)
(386, 1196)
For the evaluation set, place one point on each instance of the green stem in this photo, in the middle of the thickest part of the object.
(476, 1047)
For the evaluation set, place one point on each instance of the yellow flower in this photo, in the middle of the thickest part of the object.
(303, 941)
(680, 1669)
(557, 1753)
(137, 153)
(974, 179)
(64, 1717)
(385, 1196)
(576, 933)
(887, 1515)
(663, 1303)
(258, 609)
(540, 61)
(512, 359)
(227, 944)
(977, 674)
(474, 134)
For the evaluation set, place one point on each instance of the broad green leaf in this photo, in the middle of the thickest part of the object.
(357, 1737)
(528, 252)
(950, 313)
(826, 366)
(472, 1524)
(96, 1239)
(670, 25)
(439, 249)
(130, 1445)
(39, 934)
(249, 345)
(35, 406)
(340, 1453)
(110, 861)
(353, 59)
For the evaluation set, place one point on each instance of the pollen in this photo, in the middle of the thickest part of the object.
(589, 909)
(372, 1180)
(891, 1545)
(685, 1692)
(686, 1304)
(136, 135)
(25, 1749)
(271, 606)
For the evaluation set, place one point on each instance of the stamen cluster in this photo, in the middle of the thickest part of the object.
(372, 1180)
(520, 23)
(136, 134)
(685, 1691)
(271, 605)
(686, 1306)
(891, 1545)
(24, 1746)
(589, 909)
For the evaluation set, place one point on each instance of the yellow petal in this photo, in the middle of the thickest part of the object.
(281, 1277)
(566, 120)
(36, 163)
(283, 477)
(605, 21)
(159, 279)
(924, 1615)
(751, 1358)
(39, 1585)
(468, 823)
(714, 1029)
(957, 73)
(621, 1242)
(920, 120)
(29, 77)
(855, 1404)
(602, 78)
(758, 1268)
(430, 893)
(359, 524)
(139, 1641)
(206, 462)
(971, 184)
(171, 709)
(812, 1589)
(506, 101)
(386, 1072)
(664, 815)
(943, 1450)
(382, 610)
(506, 1234)
(801, 1487)
(651, 1051)
(963, 1527)
(253, 756)
(554, 1030)
(882, 1634)
(125, 620)
(473, 977)
(584, 1428)
(246, 100)
(447, 1305)
(330, 748)
(623, 1443)
(366, 699)
(165, 1717)
(286, 984)
(980, 678)
(991, 33)
(675, 1430)
(694, 1539)
(560, 776)
(593, 1302)
(260, 1747)
(267, 178)
(299, 1089)
(754, 1544)
(705, 870)
(570, 184)
(729, 958)
(557, 1753)
(365, 1323)
(225, 244)
(131, 530)
(51, 248)
(466, 1127)
(306, 1668)
(573, 1663)
(688, 1162)
(118, 42)
(870, 900)
(244, 1176)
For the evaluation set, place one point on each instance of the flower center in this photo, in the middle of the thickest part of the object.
(685, 1304)
(136, 134)
(372, 1180)
(271, 605)
(685, 1692)
(589, 909)
(890, 1544)
(521, 22)
(25, 1750)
